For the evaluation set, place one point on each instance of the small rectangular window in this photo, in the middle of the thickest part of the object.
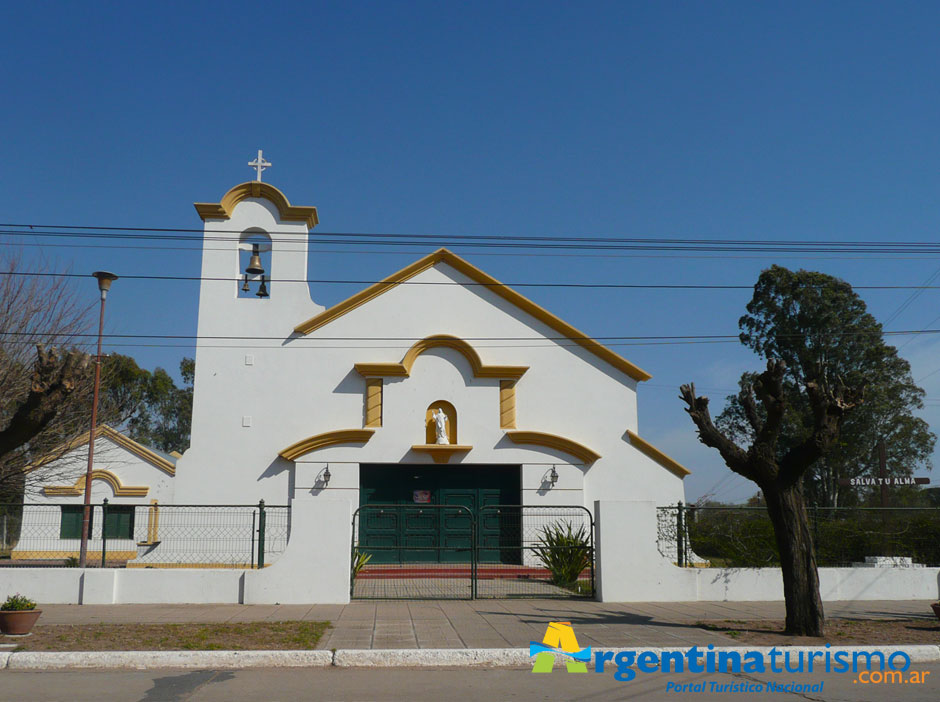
(71, 526)
(119, 523)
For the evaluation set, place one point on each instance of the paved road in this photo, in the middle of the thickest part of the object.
(420, 685)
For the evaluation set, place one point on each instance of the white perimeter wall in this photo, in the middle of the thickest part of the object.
(204, 586)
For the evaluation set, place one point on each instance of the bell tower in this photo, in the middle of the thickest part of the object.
(253, 293)
(254, 263)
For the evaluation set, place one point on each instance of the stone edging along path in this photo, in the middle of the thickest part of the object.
(367, 658)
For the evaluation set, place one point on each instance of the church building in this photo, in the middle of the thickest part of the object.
(487, 420)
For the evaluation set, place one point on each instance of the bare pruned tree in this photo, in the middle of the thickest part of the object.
(780, 476)
(42, 372)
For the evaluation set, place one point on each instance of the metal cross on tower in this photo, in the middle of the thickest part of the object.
(259, 164)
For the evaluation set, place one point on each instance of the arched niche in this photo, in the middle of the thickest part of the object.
(253, 235)
(430, 429)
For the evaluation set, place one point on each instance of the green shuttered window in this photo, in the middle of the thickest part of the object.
(71, 525)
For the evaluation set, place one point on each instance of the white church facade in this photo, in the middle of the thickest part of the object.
(436, 386)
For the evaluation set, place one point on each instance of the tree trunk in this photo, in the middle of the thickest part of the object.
(797, 559)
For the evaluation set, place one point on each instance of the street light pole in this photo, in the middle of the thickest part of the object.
(104, 284)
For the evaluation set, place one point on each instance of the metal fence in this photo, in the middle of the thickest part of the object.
(448, 552)
(143, 536)
(742, 537)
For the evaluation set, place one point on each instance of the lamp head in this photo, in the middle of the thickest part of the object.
(105, 278)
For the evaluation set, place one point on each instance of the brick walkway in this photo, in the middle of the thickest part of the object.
(485, 623)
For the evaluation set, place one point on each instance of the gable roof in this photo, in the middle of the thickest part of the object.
(157, 460)
(478, 276)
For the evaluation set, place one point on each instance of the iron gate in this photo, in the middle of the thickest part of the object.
(448, 552)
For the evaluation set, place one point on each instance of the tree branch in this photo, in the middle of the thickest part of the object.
(750, 409)
(54, 378)
(734, 456)
(829, 406)
(769, 389)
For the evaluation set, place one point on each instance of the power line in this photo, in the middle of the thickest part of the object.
(423, 248)
(683, 338)
(489, 241)
(352, 281)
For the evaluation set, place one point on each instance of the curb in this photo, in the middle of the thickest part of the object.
(436, 657)
(386, 658)
(145, 660)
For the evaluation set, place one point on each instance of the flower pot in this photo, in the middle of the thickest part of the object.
(18, 623)
(936, 608)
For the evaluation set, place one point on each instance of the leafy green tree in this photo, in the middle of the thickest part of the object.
(815, 321)
(822, 351)
(165, 413)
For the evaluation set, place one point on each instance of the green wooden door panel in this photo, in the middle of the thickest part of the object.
(434, 535)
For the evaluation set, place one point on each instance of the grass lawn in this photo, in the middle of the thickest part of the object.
(246, 636)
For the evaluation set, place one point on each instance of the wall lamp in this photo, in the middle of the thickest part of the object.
(553, 476)
(326, 476)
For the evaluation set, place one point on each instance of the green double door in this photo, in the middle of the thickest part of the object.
(419, 530)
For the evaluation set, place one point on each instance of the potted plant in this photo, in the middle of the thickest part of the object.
(18, 615)
(935, 606)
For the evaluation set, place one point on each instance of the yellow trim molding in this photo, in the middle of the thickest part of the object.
(240, 566)
(373, 402)
(554, 441)
(478, 276)
(441, 453)
(107, 476)
(153, 525)
(437, 341)
(670, 464)
(253, 188)
(62, 555)
(116, 437)
(330, 438)
(507, 404)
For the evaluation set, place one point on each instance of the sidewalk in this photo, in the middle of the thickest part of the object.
(486, 623)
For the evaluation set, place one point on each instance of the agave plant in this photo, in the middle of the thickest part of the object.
(359, 560)
(564, 551)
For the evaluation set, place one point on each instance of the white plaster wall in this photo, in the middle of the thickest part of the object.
(273, 585)
(131, 469)
(300, 386)
(42, 518)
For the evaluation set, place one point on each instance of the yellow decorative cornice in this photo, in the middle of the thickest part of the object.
(478, 276)
(439, 340)
(330, 438)
(670, 464)
(253, 188)
(116, 437)
(554, 441)
(441, 453)
(107, 476)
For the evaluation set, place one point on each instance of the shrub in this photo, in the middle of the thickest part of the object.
(564, 551)
(359, 560)
(17, 603)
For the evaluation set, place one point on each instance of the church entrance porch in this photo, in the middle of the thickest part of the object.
(429, 532)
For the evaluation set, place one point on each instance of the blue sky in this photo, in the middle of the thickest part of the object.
(695, 120)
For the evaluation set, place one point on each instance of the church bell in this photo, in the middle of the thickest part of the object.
(263, 289)
(254, 263)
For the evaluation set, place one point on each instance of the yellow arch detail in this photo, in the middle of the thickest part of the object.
(253, 188)
(438, 341)
(330, 438)
(107, 476)
(554, 441)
